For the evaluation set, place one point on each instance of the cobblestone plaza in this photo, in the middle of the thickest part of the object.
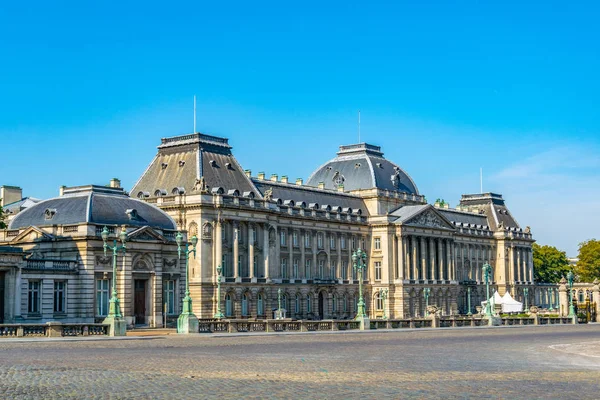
(524, 362)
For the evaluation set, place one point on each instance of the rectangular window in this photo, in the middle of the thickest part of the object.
(321, 269)
(320, 240)
(282, 238)
(295, 238)
(307, 240)
(33, 297)
(102, 296)
(353, 243)
(332, 242)
(60, 297)
(377, 243)
(253, 236)
(344, 270)
(307, 273)
(296, 261)
(377, 270)
(255, 264)
(343, 242)
(169, 296)
(224, 269)
(284, 268)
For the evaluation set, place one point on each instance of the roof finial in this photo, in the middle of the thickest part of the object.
(194, 114)
(358, 126)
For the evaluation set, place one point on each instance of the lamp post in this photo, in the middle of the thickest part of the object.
(279, 304)
(384, 295)
(487, 269)
(359, 262)
(219, 313)
(117, 324)
(570, 278)
(187, 321)
(551, 300)
(526, 294)
(469, 313)
(426, 293)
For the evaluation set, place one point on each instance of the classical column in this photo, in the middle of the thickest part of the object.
(415, 258)
(448, 275)
(519, 276)
(432, 258)
(236, 250)
(394, 259)
(401, 256)
(338, 248)
(251, 271)
(302, 267)
(350, 266)
(440, 260)
(290, 262)
(423, 259)
(530, 252)
(218, 245)
(266, 252)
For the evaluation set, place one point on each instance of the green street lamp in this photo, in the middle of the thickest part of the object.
(426, 293)
(469, 313)
(570, 278)
(487, 270)
(279, 303)
(384, 295)
(359, 260)
(187, 321)
(551, 300)
(114, 318)
(526, 294)
(219, 313)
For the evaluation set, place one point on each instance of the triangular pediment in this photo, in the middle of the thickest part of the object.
(428, 218)
(33, 233)
(146, 233)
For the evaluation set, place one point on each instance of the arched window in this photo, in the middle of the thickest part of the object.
(297, 304)
(245, 305)
(354, 304)
(260, 308)
(308, 304)
(228, 306)
(581, 297)
(345, 303)
(334, 304)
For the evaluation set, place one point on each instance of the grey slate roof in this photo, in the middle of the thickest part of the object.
(464, 217)
(362, 166)
(494, 208)
(311, 195)
(182, 160)
(95, 205)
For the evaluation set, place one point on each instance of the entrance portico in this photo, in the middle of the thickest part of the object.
(11, 262)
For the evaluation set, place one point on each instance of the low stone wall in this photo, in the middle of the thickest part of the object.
(52, 329)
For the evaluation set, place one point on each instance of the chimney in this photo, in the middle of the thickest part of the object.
(284, 179)
(248, 173)
(61, 190)
(273, 177)
(10, 194)
(114, 183)
(299, 181)
(261, 176)
(321, 185)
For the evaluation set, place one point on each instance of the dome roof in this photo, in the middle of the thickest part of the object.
(95, 205)
(362, 166)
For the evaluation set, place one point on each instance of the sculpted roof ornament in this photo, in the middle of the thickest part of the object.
(268, 195)
(200, 186)
(563, 281)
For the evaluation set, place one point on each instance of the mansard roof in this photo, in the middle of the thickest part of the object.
(492, 206)
(182, 161)
(311, 195)
(93, 204)
(362, 166)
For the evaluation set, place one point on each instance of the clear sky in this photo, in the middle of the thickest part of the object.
(89, 88)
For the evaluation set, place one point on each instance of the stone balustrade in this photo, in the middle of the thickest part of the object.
(52, 329)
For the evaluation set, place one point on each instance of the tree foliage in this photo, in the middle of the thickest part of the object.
(549, 264)
(588, 266)
(2, 218)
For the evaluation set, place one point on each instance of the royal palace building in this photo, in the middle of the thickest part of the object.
(266, 234)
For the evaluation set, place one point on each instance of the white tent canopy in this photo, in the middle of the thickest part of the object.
(507, 302)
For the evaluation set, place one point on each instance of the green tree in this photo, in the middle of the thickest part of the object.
(549, 264)
(588, 266)
(2, 217)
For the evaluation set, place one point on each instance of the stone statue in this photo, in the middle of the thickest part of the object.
(200, 185)
(528, 229)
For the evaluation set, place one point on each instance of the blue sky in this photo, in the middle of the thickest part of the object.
(445, 88)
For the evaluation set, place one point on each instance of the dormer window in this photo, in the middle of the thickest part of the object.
(164, 165)
(132, 214)
(212, 163)
(49, 213)
(228, 166)
(181, 163)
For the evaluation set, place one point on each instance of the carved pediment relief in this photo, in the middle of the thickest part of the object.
(145, 233)
(170, 263)
(31, 234)
(430, 219)
(102, 260)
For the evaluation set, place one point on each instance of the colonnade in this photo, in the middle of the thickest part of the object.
(425, 258)
(470, 258)
(521, 264)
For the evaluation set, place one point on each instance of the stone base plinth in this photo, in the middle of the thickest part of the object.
(493, 320)
(118, 326)
(187, 323)
(365, 323)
